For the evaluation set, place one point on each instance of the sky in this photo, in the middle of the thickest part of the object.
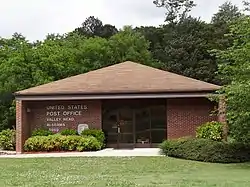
(36, 18)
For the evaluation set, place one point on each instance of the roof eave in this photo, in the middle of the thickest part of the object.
(113, 93)
(115, 96)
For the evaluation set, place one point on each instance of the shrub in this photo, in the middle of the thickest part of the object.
(211, 130)
(69, 132)
(8, 139)
(98, 134)
(36, 143)
(70, 143)
(41, 132)
(59, 142)
(206, 150)
(89, 144)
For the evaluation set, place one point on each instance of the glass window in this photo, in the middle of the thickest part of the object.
(140, 121)
(142, 126)
(158, 123)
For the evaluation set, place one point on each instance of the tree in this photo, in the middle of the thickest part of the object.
(226, 14)
(183, 45)
(94, 27)
(184, 48)
(246, 5)
(108, 31)
(221, 23)
(235, 68)
(177, 10)
(14, 74)
(90, 27)
(24, 64)
(130, 45)
(187, 50)
(155, 36)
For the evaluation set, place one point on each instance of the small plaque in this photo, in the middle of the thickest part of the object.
(82, 127)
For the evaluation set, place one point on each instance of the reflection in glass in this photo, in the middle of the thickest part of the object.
(139, 122)
(109, 118)
(158, 123)
(142, 126)
(125, 123)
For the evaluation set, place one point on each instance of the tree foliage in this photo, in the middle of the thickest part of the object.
(246, 5)
(94, 27)
(182, 45)
(176, 10)
(184, 48)
(235, 68)
(226, 14)
(24, 64)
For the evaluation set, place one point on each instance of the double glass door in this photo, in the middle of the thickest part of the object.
(119, 127)
(128, 126)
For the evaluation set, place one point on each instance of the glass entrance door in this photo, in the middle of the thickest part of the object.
(134, 123)
(110, 123)
(125, 127)
(118, 125)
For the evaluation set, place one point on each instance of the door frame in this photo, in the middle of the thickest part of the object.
(116, 107)
(121, 145)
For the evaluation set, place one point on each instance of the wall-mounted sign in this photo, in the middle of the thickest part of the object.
(82, 127)
(58, 116)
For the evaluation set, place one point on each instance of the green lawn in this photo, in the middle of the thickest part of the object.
(118, 172)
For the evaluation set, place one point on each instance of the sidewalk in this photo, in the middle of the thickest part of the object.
(110, 152)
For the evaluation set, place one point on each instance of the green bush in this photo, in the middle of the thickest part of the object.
(8, 139)
(41, 132)
(98, 134)
(211, 130)
(69, 132)
(206, 150)
(89, 144)
(59, 142)
(70, 143)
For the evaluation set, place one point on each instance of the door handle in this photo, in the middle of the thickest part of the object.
(118, 130)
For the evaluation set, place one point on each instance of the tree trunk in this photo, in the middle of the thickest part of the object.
(222, 116)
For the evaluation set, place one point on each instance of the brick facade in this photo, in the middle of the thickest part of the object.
(39, 114)
(185, 115)
(22, 132)
(31, 115)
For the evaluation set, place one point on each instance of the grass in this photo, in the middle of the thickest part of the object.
(120, 172)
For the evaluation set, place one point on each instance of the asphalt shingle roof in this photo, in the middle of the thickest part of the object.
(126, 77)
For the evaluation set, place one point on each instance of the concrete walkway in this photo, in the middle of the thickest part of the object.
(110, 152)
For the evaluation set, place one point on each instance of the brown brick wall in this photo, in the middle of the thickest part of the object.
(65, 116)
(31, 115)
(22, 132)
(18, 127)
(185, 115)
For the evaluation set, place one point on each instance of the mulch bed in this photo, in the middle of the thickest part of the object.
(7, 152)
(2, 152)
(44, 152)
